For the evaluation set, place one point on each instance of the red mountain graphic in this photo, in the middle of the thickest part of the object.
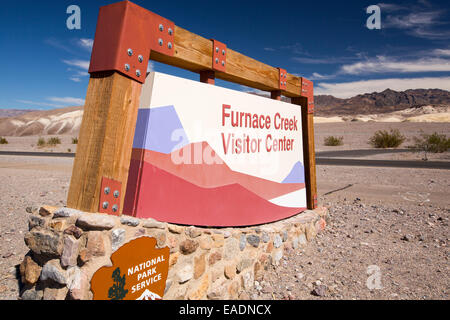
(201, 194)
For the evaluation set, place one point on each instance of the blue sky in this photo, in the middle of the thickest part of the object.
(45, 64)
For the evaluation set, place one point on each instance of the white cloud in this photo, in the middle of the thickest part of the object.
(82, 64)
(40, 104)
(383, 64)
(86, 43)
(441, 52)
(67, 100)
(350, 89)
(75, 79)
(318, 76)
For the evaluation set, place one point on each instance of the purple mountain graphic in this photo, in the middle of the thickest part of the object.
(297, 174)
(159, 129)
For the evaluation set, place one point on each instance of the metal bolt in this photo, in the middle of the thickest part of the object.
(223, 63)
(116, 194)
(223, 52)
(115, 208)
(105, 205)
(107, 190)
(127, 67)
(140, 58)
(138, 73)
(160, 41)
(161, 27)
(282, 75)
(217, 60)
(130, 52)
(217, 49)
(169, 45)
(170, 31)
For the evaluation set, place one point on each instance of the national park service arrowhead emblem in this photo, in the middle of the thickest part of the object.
(139, 272)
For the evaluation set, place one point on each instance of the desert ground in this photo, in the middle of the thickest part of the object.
(386, 222)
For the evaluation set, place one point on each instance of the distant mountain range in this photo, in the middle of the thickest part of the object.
(16, 122)
(380, 102)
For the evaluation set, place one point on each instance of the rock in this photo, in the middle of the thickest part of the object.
(310, 232)
(277, 242)
(36, 221)
(29, 271)
(231, 249)
(244, 296)
(247, 280)
(214, 257)
(226, 234)
(78, 284)
(276, 257)
(193, 232)
(45, 242)
(253, 240)
(32, 209)
(218, 239)
(94, 221)
(284, 236)
(172, 242)
(299, 276)
(185, 273)
(188, 246)
(302, 240)
(83, 257)
(161, 239)
(295, 243)
(70, 251)
(74, 231)
(319, 291)
(407, 237)
(230, 271)
(242, 242)
(53, 271)
(32, 294)
(201, 290)
(152, 223)
(46, 211)
(55, 293)
(233, 289)
(199, 265)
(95, 245)
(265, 237)
(57, 225)
(117, 238)
(217, 290)
(67, 213)
(244, 264)
(206, 243)
(129, 221)
(173, 258)
(175, 228)
(269, 247)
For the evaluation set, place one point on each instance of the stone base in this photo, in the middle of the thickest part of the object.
(68, 246)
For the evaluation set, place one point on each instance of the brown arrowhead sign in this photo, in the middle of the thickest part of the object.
(139, 272)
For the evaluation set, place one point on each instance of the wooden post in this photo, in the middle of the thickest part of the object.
(309, 153)
(105, 140)
(208, 76)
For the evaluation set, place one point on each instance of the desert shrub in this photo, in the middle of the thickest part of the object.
(69, 150)
(333, 141)
(3, 140)
(74, 140)
(385, 139)
(435, 143)
(41, 142)
(53, 141)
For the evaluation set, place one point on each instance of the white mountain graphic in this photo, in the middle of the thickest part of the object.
(148, 295)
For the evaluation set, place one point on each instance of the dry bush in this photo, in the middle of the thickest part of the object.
(385, 139)
(333, 141)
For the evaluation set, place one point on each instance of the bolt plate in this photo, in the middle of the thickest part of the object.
(219, 56)
(113, 186)
(307, 90)
(122, 26)
(283, 78)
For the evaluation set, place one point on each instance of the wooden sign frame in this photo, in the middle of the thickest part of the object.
(127, 36)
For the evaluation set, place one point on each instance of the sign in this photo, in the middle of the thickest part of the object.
(206, 155)
(139, 272)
